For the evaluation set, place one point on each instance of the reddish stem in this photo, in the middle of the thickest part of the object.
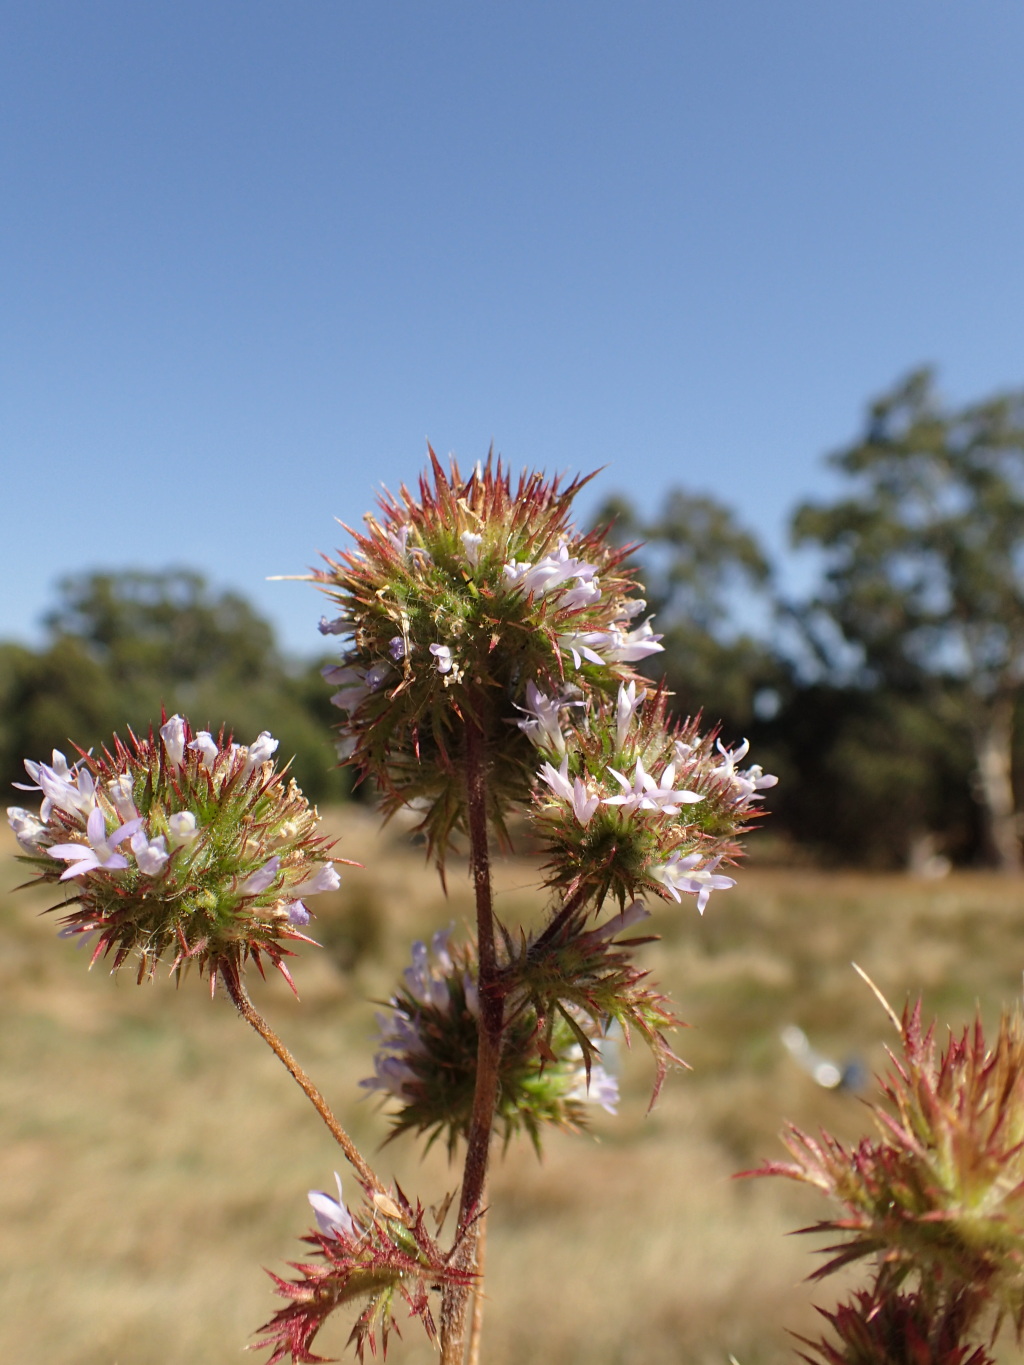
(454, 1308)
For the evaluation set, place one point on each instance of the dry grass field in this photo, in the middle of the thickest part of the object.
(154, 1155)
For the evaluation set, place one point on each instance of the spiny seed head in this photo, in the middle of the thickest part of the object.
(179, 846)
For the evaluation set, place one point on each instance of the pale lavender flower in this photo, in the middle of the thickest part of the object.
(259, 752)
(353, 690)
(583, 645)
(578, 795)
(421, 981)
(542, 719)
(584, 804)
(172, 732)
(634, 913)
(377, 674)
(643, 793)
(443, 657)
(150, 854)
(57, 769)
(28, 829)
(396, 648)
(322, 878)
(206, 746)
(339, 626)
(746, 783)
(583, 595)
(99, 852)
(74, 793)
(602, 1088)
(121, 793)
(548, 573)
(399, 537)
(297, 913)
(683, 874)
(471, 541)
(626, 706)
(629, 647)
(257, 882)
(332, 1217)
(182, 827)
(557, 778)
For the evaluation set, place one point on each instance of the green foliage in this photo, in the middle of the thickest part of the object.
(925, 570)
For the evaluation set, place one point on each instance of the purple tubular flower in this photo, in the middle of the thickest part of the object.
(99, 852)
(257, 882)
(297, 913)
(333, 1218)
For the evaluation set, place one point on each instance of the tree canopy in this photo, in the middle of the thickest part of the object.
(924, 569)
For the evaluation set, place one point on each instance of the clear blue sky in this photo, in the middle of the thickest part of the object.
(253, 253)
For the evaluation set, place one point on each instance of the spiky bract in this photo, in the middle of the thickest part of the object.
(388, 1257)
(893, 1328)
(938, 1198)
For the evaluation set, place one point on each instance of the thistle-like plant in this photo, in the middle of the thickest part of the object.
(486, 670)
(935, 1200)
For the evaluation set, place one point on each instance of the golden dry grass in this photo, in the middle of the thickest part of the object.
(154, 1155)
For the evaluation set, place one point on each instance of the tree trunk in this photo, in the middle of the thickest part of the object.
(993, 753)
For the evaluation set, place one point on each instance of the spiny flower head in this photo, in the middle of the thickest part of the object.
(941, 1193)
(629, 804)
(378, 1257)
(457, 601)
(179, 846)
(883, 1326)
(427, 1056)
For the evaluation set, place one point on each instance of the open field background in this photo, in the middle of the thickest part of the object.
(153, 1155)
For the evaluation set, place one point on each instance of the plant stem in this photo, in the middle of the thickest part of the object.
(454, 1307)
(240, 997)
(477, 1323)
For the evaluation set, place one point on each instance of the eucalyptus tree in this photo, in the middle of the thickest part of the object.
(924, 571)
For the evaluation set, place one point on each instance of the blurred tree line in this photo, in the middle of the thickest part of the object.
(887, 702)
(121, 646)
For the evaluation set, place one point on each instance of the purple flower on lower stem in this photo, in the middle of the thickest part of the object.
(443, 658)
(297, 913)
(99, 852)
(333, 1218)
(602, 1088)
